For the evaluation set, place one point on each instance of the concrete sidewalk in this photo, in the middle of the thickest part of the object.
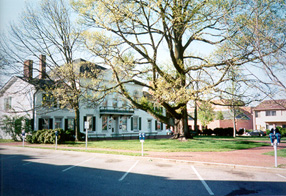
(249, 157)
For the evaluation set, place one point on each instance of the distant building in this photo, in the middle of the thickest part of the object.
(269, 112)
(113, 117)
(243, 119)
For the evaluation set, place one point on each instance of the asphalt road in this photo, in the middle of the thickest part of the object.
(26, 171)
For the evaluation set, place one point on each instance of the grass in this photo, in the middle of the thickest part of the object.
(5, 140)
(199, 144)
(280, 153)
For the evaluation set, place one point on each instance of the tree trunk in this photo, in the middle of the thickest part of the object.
(196, 118)
(181, 126)
(234, 125)
(77, 127)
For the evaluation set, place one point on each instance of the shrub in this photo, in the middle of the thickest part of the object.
(207, 132)
(223, 131)
(46, 136)
(282, 131)
(14, 125)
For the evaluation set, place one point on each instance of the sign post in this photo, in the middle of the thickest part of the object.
(56, 139)
(142, 139)
(23, 137)
(86, 126)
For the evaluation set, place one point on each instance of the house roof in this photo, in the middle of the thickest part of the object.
(279, 104)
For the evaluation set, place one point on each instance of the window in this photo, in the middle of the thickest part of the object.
(124, 104)
(150, 125)
(114, 102)
(158, 126)
(104, 103)
(135, 123)
(69, 124)
(104, 123)
(270, 113)
(45, 123)
(8, 103)
(124, 123)
(257, 114)
(58, 123)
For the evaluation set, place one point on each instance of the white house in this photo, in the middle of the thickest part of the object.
(269, 112)
(112, 118)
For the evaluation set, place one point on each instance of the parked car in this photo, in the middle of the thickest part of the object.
(256, 133)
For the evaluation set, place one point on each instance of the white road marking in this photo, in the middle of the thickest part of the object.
(202, 180)
(28, 163)
(122, 178)
(76, 165)
(281, 176)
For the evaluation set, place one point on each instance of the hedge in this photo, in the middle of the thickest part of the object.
(282, 131)
(48, 136)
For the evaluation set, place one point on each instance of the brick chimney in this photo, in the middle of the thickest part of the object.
(28, 69)
(42, 67)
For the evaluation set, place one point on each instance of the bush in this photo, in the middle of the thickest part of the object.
(49, 136)
(14, 125)
(207, 132)
(223, 131)
(282, 131)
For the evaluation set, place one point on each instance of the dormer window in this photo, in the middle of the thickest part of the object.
(8, 104)
(136, 95)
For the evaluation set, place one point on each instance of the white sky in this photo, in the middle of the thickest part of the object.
(10, 11)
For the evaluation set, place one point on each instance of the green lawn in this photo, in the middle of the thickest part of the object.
(5, 140)
(199, 144)
(280, 153)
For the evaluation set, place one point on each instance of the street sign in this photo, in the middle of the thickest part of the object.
(142, 137)
(86, 125)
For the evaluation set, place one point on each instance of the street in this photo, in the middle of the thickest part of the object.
(28, 171)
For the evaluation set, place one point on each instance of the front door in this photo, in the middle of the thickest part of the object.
(114, 125)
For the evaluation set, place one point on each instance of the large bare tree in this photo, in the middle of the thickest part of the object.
(167, 42)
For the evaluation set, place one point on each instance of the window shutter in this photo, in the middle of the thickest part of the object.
(161, 126)
(66, 124)
(41, 123)
(94, 123)
(51, 123)
(140, 123)
(131, 123)
(155, 125)
(84, 120)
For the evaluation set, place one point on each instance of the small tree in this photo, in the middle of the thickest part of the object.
(206, 113)
(219, 115)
